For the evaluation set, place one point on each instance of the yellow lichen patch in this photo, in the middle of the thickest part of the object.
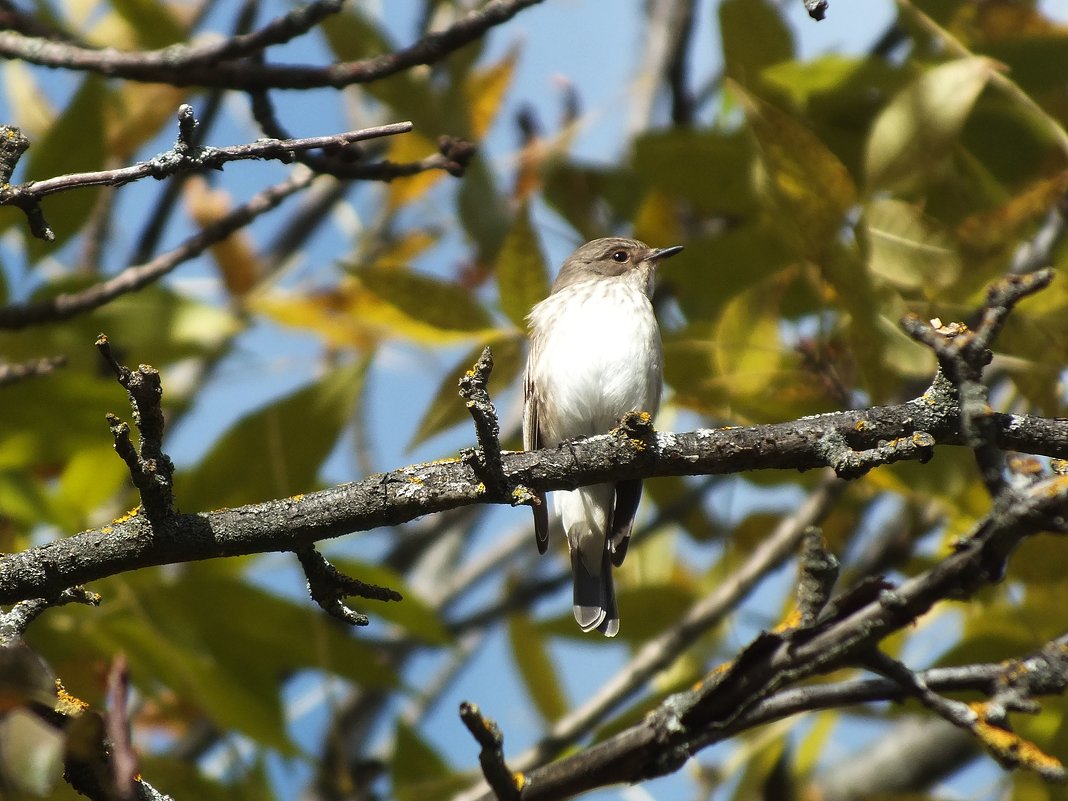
(297, 498)
(520, 780)
(67, 704)
(106, 530)
(791, 621)
(446, 460)
(118, 521)
(860, 425)
(1011, 747)
(414, 480)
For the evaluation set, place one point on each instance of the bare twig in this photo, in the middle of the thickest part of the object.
(345, 162)
(506, 785)
(15, 621)
(173, 66)
(63, 306)
(328, 586)
(120, 750)
(962, 356)
(183, 157)
(150, 468)
(10, 373)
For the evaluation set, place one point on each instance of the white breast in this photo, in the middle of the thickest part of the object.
(599, 360)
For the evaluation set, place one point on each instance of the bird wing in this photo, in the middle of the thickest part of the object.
(531, 442)
(628, 495)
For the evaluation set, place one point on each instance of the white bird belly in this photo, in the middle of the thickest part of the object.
(603, 360)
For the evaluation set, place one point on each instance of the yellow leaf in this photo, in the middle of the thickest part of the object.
(485, 90)
(918, 128)
(909, 250)
(136, 112)
(32, 113)
(234, 256)
(808, 188)
(411, 147)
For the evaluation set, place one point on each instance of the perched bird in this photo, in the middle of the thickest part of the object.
(595, 355)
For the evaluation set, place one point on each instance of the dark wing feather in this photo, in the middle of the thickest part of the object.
(628, 495)
(531, 442)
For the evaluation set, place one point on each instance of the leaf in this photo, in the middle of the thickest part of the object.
(999, 229)
(382, 302)
(801, 80)
(411, 146)
(28, 105)
(235, 256)
(594, 200)
(413, 614)
(536, 667)
(73, 143)
(522, 277)
(754, 35)
(277, 450)
(807, 187)
(420, 302)
(446, 409)
(909, 250)
(916, 131)
(154, 23)
(483, 210)
(137, 112)
(418, 771)
(484, 91)
(709, 168)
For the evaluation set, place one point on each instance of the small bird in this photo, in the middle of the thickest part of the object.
(595, 355)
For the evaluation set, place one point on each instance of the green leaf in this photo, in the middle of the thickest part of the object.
(232, 699)
(723, 184)
(412, 614)
(74, 143)
(224, 645)
(522, 277)
(800, 80)
(153, 22)
(446, 409)
(31, 754)
(915, 133)
(275, 451)
(909, 250)
(754, 35)
(580, 194)
(807, 188)
(483, 210)
(741, 256)
(676, 492)
(428, 301)
(418, 771)
(536, 667)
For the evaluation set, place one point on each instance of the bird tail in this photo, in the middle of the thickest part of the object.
(595, 596)
(586, 515)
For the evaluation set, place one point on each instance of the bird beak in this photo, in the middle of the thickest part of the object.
(663, 253)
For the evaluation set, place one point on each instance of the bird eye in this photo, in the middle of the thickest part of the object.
(620, 256)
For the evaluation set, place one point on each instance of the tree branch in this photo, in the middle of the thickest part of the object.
(183, 157)
(199, 66)
(60, 307)
(417, 490)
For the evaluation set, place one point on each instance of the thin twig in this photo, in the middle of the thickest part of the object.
(10, 373)
(168, 65)
(19, 315)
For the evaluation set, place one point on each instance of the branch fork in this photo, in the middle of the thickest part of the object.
(487, 460)
(150, 468)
